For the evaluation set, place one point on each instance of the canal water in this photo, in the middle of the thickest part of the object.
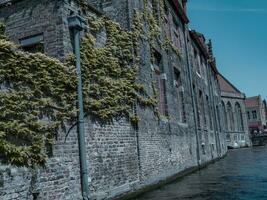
(242, 175)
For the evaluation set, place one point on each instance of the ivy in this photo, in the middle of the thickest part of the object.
(37, 95)
(109, 73)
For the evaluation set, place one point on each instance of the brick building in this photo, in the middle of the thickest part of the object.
(234, 119)
(121, 158)
(256, 114)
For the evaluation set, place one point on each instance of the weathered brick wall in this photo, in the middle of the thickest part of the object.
(120, 158)
(201, 80)
(14, 183)
(112, 158)
(59, 179)
(111, 148)
(31, 17)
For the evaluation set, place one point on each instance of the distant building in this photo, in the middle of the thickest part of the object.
(257, 114)
(234, 109)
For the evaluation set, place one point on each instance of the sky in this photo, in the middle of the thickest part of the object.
(238, 30)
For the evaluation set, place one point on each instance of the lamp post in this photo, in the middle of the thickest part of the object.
(77, 24)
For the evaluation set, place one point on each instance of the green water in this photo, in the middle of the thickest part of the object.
(242, 175)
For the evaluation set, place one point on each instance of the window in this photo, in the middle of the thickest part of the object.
(254, 114)
(175, 34)
(197, 61)
(33, 44)
(207, 112)
(204, 67)
(219, 117)
(160, 81)
(248, 114)
(225, 121)
(201, 110)
(211, 117)
(203, 148)
(201, 64)
(166, 22)
(228, 137)
(198, 110)
(235, 137)
(180, 92)
(230, 117)
(242, 137)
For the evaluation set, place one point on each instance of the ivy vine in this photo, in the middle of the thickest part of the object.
(38, 93)
(110, 72)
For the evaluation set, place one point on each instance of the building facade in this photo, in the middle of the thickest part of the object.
(206, 93)
(188, 131)
(235, 120)
(256, 114)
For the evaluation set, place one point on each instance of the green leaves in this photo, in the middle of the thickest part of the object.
(109, 73)
(37, 94)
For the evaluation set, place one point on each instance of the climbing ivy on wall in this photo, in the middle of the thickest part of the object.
(110, 72)
(37, 94)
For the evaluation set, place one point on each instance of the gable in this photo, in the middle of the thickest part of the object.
(226, 86)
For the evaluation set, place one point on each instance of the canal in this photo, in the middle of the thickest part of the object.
(242, 175)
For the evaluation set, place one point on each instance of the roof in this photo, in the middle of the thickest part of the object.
(227, 86)
(199, 39)
(180, 10)
(253, 101)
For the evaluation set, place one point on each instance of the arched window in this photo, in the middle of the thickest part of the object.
(201, 109)
(225, 121)
(180, 96)
(239, 117)
(230, 117)
(219, 118)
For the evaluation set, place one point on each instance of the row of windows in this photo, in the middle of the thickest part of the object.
(199, 63)
(173, 32)
(161, 87)
(236, 137)
(252, 114)
(233, 119)
(170, 25)
(204, 110)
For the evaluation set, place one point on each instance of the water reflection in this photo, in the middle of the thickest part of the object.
(242, 175)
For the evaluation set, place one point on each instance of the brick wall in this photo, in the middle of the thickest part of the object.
(120, 159)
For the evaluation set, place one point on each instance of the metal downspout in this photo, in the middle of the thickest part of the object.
(192, 97)
(81, 136)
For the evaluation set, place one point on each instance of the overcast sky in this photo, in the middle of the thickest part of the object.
(238, 29)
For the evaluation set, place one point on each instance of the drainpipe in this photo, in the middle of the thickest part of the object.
(192, 96)
(77, 24)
